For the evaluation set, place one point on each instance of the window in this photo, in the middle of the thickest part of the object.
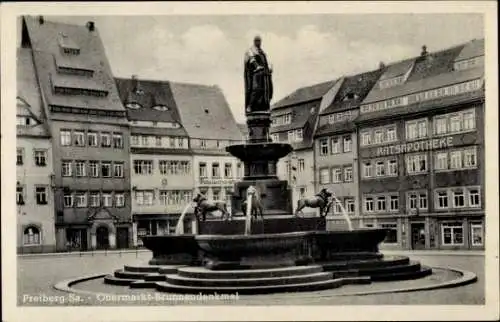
(381, 205)
(215, 170)
(455, 123)
(65, 137)
(66, 167)
(118, 170)
(470, 158)
(440, 125)
(203, 170)
(106, 169)
(458, 199)
(348, 174)
(68, 200)
(324, 176)
(298, 135)
(422, 201)
(411, 131)
(391, 134)
(368, 204)
(81, 199)
(31, 236)
(80, 168)
(118, 140)
(163, 197)
(143, 167)
(148, 197)
(105, 140)
(367, 170)
(380, 169)
(394, 203)
(287, 118)
(441, 161)
(302, 165)
(79, 138)
(171, 142)
(336, 175)
(412, 201)
(164, 166)
(274, 137)
(135, 140)
(302, 192)
(391, 236)
(476, 233)
(180, 142)
(92, 139)
(144, 140)
(40, 158)
(416, 163)
(323, 147)
(442, 200)
(338, 207)
(455, 159)
(335, 145)
(94, 199)
(20, 157)
(422, 129)
(185, 167)
(378, 137)
(41, 195)
(366, 138)
(349, 205)
(452, 233)
(392, 168)
(347, 144)
(474, 197)
(94, 169)
(20, 195)
(216, 195)
(106, 200)
(239, 170)
(469, 120)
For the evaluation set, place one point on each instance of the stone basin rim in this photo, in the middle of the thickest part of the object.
(252, 236)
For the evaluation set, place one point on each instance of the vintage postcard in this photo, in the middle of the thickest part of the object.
(250, 161)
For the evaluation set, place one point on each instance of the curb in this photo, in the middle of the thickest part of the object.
(82, 254)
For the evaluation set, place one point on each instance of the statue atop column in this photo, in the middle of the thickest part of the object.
(258, 82)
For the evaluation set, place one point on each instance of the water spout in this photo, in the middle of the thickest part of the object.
(179, 228)
(248, 215)
(344, 213)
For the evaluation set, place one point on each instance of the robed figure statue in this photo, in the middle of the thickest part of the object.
(258, 82)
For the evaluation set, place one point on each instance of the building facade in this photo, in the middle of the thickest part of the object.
(161, 161)
(421, 151)
(88, 124)
(34, 194)
(211, 127)
(293, 120)
(335, 147)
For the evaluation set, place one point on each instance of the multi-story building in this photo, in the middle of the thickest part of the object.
(421, 150)
(89, 130)
(335, 145)
(210, 125)
(161, 161)
(34, 194)
(293, 121)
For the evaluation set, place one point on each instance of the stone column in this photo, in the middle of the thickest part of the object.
(134, 233)
(112, 239)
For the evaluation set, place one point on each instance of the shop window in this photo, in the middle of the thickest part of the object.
(452, 234)
(477, 234)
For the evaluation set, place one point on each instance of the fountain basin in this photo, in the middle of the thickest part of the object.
(262, 250)
(260, 151)
(327, 244)
(172, 249)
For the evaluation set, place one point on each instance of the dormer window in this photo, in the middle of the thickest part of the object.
(391, 82)
(207, 111)
(469, 63)
(68, 46)
(162, 108)
(350, 96)
(133, 106)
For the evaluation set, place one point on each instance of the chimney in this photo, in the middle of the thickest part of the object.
(381, 65)
(135, 83)
(41, 20)
(424, 51)
(90, 26)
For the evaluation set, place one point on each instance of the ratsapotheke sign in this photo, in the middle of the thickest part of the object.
(418, 146)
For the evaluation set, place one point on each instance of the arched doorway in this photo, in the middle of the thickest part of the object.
(102, 237)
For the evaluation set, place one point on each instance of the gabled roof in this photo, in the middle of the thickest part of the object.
(148, 94)
(204, 112)
(29, 101)
(434, 64)
(45, 41)
(397, 69)
(353, 91)
(473, 48)
(305, 94)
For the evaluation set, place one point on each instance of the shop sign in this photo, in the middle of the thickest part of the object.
(419, 146)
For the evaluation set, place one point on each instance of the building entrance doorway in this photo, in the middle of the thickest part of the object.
(102, 237)
(122, 237)
(418, 235)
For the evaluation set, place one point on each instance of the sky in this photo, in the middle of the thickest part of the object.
(303, 49)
